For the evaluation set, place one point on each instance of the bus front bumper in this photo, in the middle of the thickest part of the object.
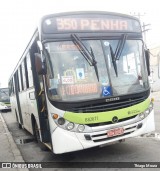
(64, 141)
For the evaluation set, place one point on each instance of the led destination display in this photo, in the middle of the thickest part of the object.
(90, 22)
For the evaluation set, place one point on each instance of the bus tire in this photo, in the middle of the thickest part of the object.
(36, 133)
(19, 126)
(42, 146)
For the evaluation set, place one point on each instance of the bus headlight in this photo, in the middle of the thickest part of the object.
(80, 128)
(151, 105)
(142, 115)
(147, 112)
(61, 121)
(70, 126)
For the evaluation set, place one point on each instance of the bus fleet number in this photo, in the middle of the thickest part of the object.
(91, 119)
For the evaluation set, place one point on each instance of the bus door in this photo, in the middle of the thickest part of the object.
(17, 106)
(41, 101)
(43, 113)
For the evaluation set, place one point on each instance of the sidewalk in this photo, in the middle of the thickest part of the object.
(8, 149)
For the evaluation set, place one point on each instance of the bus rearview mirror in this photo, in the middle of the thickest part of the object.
(40, 68)
(147, 56)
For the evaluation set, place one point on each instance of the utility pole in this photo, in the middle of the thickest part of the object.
(144, 26)
(138, 15)
(144, 30)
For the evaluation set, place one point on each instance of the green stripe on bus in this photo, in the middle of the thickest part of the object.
(98, 117)
(7, 104)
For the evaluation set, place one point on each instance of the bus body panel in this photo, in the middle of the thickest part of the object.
(66, 142)
(24, 109)
(14, 107)
(106, 116)
(61, 144)
(32, 107)
(28, 107)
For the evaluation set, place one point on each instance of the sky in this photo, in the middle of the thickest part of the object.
(19, 18)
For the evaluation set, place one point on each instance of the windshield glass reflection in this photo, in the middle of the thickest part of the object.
(70, 77)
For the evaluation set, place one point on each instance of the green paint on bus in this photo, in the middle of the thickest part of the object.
(98, 117)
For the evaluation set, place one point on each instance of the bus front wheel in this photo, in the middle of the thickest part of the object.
(36, 133)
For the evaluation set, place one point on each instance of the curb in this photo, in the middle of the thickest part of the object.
(16, 153)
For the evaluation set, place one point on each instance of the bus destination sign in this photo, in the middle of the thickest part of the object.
(94, 23)
(90, 24)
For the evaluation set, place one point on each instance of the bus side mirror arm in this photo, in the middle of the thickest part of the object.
(40, 66)
(147, 56)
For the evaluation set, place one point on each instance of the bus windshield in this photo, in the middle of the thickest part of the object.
(70, 77)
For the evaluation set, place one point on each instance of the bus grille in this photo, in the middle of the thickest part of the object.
(102, 107)
(102, 136)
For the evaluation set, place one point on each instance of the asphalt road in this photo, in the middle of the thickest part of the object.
(140, 149)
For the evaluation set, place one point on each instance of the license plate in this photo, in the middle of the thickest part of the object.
(115, 132)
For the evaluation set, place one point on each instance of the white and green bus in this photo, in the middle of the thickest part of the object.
(82, 81)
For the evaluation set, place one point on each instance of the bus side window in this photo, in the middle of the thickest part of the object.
(11, 88)
(29, 71)
(20, 80)
(23, 76)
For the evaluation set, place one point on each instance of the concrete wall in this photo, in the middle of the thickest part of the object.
(155, 68)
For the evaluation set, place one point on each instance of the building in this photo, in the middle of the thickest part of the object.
(155, 68)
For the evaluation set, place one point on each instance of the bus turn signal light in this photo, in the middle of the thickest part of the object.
(55, 116)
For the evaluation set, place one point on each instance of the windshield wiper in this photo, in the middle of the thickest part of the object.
(89, 56)
(115, 56)
(120, 46)
(94, 63)
(113, 60)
